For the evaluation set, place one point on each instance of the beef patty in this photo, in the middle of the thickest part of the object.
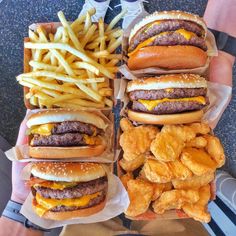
(62, 140)
(169, 107)
(75, 127)
(168, 25)
(174, 38)
(166, 93)
(81, 189)
(92, 202)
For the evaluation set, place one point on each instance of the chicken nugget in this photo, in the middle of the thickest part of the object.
(133, 164)
(215, 150)
(125, 124)
(125, 178)
(198, 211)
(140, 195)
(198, 161)
(200, 128)
(137, 141)
(179, 170)
(160, 188)
(174, 199)
(181, 132)
(156, 171)
(194, 182)
(197, 142)
(166, 147)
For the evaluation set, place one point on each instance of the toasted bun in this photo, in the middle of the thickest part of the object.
(66, 152)
(169, 119)
(68, 171)
(168, 81)
(60, 115)
(168, 57)
(168, 15)
(65, 215)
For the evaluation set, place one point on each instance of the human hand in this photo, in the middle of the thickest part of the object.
(221, 68)
(19, 189)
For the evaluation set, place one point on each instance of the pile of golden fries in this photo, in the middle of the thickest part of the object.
(73, 67)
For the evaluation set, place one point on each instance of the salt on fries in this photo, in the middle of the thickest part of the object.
(72, 67)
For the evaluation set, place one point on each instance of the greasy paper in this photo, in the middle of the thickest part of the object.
(117, 203)
(21, 152)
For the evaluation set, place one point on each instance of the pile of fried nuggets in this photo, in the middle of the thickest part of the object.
(171, 168)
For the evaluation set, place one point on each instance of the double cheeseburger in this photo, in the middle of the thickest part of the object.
(169, 40)
(64, 190)
(168, 99)
(66, 134)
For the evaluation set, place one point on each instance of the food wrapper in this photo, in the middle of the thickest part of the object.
(117, 202)
(218, 94)
(110, 155)
(211, 52)
(50, 27)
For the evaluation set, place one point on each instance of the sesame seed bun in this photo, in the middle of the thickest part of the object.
(167, 81)
(68, 171)
(60, 115)
(168, 15)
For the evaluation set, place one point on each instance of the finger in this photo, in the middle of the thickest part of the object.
(221, 69)
(22, 137)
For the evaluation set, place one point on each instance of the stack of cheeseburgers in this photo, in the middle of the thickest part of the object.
(170, 155)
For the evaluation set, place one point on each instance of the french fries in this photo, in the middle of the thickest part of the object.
(71, 67)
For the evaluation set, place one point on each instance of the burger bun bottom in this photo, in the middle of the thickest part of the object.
(168, 119)
(65, 215)
(168, 57)
(66, 152)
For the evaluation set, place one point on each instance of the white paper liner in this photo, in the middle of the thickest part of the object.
(21, 152)
(218, 94)
(117, 203)
(211, 52)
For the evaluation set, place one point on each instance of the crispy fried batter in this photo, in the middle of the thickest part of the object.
(200, 128)
(197, 142)
(193, 182)
(126, 177)
(181, 132)
(133, 164)
(179, 170)
(137, 141)
(215, 150)
(156, 171)
(198, 161)
(198, 210)
(174, 199)
(140, 195)
(125, 124)
(159, 189)
(166, 147)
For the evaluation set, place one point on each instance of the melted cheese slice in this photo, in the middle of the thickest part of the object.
(56, 185)
(186, 34)
(92, 140)
(151, 104)
(44, 129)
(45, 204)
